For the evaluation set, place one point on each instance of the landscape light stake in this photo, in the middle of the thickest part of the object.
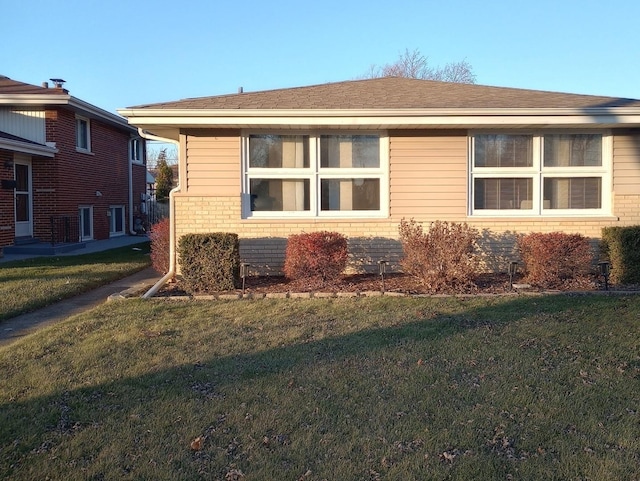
(382, 268)
(513, 270)
(244, 271)
(605, 270)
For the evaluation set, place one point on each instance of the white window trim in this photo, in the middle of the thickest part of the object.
(538, 173)
(88, 122)
(315, 174)
(112, 209)
(80, 224)
(132, 158)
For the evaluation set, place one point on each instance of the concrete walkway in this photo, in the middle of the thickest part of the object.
(91, 247)
(25, 324)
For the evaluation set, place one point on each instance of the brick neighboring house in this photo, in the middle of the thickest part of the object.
(359, 156)
(70, 172)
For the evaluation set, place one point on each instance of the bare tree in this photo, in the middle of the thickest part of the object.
(415, 65)
(156, 150)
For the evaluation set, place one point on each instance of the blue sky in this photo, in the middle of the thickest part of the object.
(120, 53)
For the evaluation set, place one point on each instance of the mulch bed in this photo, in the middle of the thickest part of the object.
(396, 283)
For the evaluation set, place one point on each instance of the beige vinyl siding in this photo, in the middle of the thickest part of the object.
(626, 163)
(213, 162)
(428, 175)
(428, 182)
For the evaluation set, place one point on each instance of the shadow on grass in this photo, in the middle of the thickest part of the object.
(37, 427)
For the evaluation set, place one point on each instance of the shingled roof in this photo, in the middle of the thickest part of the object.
(15, 93)
(395, 93)
(13, 87)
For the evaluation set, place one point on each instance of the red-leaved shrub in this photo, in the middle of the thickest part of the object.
(551, 259)
(159, 236)
(316, 256)
(441, 257)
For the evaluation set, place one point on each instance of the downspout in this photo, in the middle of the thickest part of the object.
(131, 231)
(172, 226)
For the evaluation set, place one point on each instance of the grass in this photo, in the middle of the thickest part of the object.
(523, 388)
(33, 283)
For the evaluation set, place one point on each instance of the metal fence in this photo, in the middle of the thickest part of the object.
(156, 211)
(65, 229)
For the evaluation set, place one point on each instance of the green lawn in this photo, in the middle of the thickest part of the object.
(32, 283)
(522, 388)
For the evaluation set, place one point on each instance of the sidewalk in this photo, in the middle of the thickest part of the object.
(25, 324)
(91, 247)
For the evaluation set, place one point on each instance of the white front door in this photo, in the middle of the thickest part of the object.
(23, 199)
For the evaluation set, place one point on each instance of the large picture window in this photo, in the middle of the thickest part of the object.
(307, 175)
(540, 174)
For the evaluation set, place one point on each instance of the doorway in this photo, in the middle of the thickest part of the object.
(23, 198)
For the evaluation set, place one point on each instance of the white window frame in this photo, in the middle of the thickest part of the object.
(88, 208)
(112, 216)
(136, 150)
(315, 174)
(80, 120)
(538, 173)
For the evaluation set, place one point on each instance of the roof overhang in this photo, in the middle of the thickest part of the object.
(64, 100)
(27, 148)
(171, 119)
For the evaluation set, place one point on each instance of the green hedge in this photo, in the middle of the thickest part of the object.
(621, 246)
(209, 262)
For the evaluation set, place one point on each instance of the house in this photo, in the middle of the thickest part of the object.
(70, 171)
(357, 157)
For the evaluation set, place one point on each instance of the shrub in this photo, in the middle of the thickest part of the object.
(319, 256)
(209, 262)
(443, 256)
(552, 259)
(621, 246)
(159, 236)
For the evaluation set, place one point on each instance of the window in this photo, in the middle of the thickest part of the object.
(116, 220)
(86, 222)
(540, 174)
(307, 175)
(83, 134)
(136, 150)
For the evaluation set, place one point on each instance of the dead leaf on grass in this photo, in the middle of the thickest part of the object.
(234, 475)
(449, 456)
(387, 462)
(198, 443)
(149, 334)
(305, 475)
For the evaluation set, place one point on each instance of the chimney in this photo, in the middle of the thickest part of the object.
(45, 85)
(240, 90)
(57, 82)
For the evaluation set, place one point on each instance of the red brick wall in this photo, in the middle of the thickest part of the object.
(7, 217)
(70, 180)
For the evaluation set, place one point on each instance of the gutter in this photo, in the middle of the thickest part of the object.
(28, 148)
(137, 113)
(407, 119)
(172, 225)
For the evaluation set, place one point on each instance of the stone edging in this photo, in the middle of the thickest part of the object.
(365, 294)
(139, 290)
